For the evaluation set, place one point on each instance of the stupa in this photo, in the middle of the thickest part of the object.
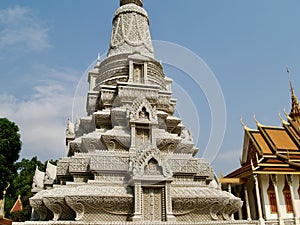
(130, 160)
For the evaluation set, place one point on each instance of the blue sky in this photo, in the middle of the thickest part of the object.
(46, 46)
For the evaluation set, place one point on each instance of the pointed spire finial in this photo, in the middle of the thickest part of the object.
(98, 60)
(295, 110)
(137, 2)
(291, 85)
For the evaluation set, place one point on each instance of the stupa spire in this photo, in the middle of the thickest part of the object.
(130, 31)
(137, 2)
(295, 110)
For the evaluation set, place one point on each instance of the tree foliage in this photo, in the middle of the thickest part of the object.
(10, 147)
(19, 175)
(22, 185)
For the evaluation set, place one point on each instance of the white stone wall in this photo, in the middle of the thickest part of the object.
(296, 184)
(264, 182)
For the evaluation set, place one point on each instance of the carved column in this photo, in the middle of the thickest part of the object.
(274, 181)
(169, 211)
(138, 199)
(145, 73)
(229, 190)
(130, 79)
(289, 179)
(133, 136)
(260, 216)
(247, 203)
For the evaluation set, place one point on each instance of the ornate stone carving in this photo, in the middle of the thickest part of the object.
(38, 180)
(94, 203)
(142, 110)
(140, 160)
(63, 167)
(103, 119)
(36, 202)
(76, 205)
(131, 32)
(116, 139)
(109, 163)
(130, 93)
(79, 164)
(167, 142)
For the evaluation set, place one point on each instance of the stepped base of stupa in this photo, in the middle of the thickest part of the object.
(231, 222)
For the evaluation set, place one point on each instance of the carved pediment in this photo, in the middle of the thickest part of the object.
(149, 160)
(152, 168)
(115, 143)
(141, 110)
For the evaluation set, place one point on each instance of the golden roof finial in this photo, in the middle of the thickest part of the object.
(256, 121)
(243, 124)
(291, 85)
(282, 120)
(295, 110)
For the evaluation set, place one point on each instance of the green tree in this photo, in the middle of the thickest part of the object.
(22, 185)
(10, 147)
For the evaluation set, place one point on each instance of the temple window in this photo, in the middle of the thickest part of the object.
(138, 73)
(272, 198)
(142, 136)
(287, 198)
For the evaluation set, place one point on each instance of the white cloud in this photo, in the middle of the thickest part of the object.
(42, 117)
(19, 28)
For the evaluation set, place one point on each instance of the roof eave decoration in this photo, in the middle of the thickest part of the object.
(265, 135)
(254, 168)
(247, 138)
(287, 159)
(284, 122)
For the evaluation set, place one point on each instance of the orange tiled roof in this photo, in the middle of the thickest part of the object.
(277, 151)
(281, 139)
(261, 143)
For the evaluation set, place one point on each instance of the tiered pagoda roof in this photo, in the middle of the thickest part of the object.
(272, 149)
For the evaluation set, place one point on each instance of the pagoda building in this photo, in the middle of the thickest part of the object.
(268, 180)
(130, 160)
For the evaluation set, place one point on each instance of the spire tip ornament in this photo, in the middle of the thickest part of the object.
(295, 110)
(137, 2)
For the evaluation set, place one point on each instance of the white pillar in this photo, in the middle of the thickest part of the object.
(274, 181)
(133, 134)
(247, 203)
(138, 195)
(260, 216)
(289, 179)
(169, 211)
(229, 190)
